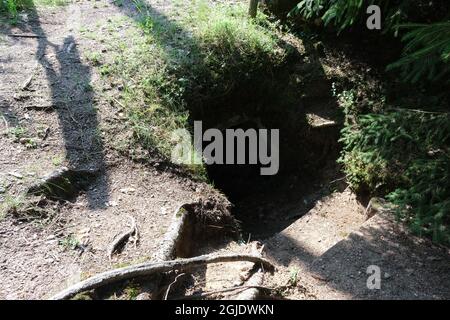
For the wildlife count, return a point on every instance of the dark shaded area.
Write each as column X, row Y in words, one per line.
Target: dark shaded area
column 304, row 150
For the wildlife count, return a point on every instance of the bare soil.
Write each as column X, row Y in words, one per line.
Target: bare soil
column 63, row 110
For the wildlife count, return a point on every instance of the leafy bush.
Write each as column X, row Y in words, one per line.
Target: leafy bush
column 427, row 45
column 11, row 8
column 427, row 52
column 405, row 155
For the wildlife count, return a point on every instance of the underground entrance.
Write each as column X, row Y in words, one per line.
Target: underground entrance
column 266, row 204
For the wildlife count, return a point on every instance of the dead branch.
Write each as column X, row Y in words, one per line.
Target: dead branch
column 150, row 268
column 25, row 36
column 122, row 238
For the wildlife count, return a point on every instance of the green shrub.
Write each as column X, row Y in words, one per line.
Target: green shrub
column 427, row 52
column 11, row 8
column 427, row 46
column 404, row 155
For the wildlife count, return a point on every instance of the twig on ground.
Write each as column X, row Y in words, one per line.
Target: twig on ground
column 25, row 36
column 33, row 72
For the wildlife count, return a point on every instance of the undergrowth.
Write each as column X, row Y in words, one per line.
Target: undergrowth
column 10, row 9
column 176, row 68
column 405, row 156
column 424, row 28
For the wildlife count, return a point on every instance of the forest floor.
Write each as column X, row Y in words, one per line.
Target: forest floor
column 60, row 120
column 57, row 112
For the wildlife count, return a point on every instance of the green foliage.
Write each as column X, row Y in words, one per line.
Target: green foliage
column 341, row 13
column 404, row 154
column 69, row 242
column 177, row 67
column 427, row 46
column 233, row 49
column 427, row 52
column 345, row 13
column 309, row 8
column 11, row 8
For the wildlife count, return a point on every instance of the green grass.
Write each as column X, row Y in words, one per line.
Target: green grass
column 12, row 204
column 171, row 69
column 69, row 243
column 10, row 9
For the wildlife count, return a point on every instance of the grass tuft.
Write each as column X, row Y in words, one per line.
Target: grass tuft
column 172, row 69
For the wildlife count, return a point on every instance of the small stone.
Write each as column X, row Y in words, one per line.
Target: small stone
column 127, row 190
column 144, row 296
column 387, row 275
column 16, row 175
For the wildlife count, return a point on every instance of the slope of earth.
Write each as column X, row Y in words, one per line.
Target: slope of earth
column 54, row 113
column 333, row 253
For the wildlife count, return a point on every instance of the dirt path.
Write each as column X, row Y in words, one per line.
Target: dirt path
column 329, row 252
column 57, row 118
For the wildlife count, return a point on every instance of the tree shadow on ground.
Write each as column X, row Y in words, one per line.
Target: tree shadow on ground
column 72, row 98
column 410, row 268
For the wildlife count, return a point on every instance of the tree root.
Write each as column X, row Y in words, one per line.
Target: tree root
column 149, row 268
column 122, row 238
column 232, row 289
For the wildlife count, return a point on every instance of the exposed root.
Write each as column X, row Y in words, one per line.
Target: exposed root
column 256, row 280
column 149, row 268
column 234, row 290
column 122, row 238
column 167, row 250
column 171, row 284
column 25, row 36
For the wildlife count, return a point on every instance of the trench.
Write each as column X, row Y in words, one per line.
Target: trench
column 266, row 204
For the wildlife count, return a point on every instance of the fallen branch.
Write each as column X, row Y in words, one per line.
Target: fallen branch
column 150, row 268
column 122, row 238
column 25, row 36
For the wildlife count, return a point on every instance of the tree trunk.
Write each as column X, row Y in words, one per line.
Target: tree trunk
column 253, row 8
